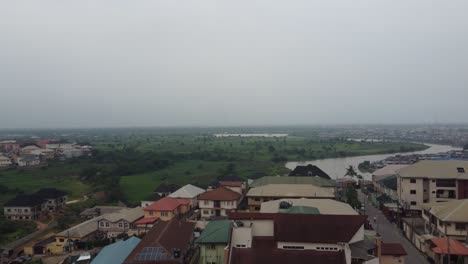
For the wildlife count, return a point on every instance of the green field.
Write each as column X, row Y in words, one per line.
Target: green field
column 130, row 166
column 61, row 176
column 196, row 172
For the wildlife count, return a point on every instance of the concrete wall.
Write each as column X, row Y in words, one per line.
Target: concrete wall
column 242, row 237
column 213, row 253
column 392, row 260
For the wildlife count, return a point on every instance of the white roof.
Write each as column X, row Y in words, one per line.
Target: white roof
column 188, row 192
column 436, row 169
column 325, row 206
column 388, row 170
column 291, row 190
column 451, row 211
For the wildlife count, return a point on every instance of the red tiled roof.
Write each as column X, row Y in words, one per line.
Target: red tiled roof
column 167, row 204
column 231, row 183
column 317, row 228
column 456, row 248
column 168, row 235
column 220, row 194
column 275, row 255
column 149, row 220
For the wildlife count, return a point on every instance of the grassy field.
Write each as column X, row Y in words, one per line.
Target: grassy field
column 135, row 165
column 61, row 176
column 197, row 172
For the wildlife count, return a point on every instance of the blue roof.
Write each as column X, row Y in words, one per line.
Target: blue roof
column 116, row 253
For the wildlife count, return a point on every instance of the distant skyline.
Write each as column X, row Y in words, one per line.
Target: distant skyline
column 114, row 63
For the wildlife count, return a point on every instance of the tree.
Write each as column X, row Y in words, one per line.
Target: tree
column 350, row 171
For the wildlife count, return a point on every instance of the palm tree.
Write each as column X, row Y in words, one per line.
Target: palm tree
column 350, row 171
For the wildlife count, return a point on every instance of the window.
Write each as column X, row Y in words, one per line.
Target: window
column 107, row 224
column 62, row 240
column 206, row 202
column 206, row 212
column 460, row 227
column 257, row 199
column 240, row 246
column 120, row 225
column 413, row 203
column 210, row 246
column 151, row 213
column 412, row 191
column 8, row 210
column 164, row 214
column 293, row 247
column 126, row 225
column 257, row 208
column 101, row 224
column 412, row 180
column 461, row 170
column 446, row 183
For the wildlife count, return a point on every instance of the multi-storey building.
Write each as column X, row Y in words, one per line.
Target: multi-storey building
column 432, row 181
column 218, row 202
column 447, row 219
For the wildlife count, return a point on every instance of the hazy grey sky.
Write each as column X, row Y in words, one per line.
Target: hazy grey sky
column 246, row 62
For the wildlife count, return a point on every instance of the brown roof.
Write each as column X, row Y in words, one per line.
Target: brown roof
column 166, row 235
column 220, row 194
column 231, row 183
column 275, row 255
column 395, row 249
column 251, row 216
column 317, row 228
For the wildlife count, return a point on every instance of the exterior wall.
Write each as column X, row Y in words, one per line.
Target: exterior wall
column 426, row 191
column 168, row 215
column 22, row 213
column 54, row 204
column 212, row 253
column 449, row 229
column 311, row 246
column 208, row 208
column 113, row 228
column 242, row 237
column 260, row 227
column 392, row 259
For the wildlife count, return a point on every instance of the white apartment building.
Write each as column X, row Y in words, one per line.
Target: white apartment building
column 431, row 181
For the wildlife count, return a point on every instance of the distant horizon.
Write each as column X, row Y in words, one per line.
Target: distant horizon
column 242, row 126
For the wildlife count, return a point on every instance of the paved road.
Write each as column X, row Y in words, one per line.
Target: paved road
column 391, row 234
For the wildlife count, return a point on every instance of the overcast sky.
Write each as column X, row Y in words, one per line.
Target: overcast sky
column 108, row 63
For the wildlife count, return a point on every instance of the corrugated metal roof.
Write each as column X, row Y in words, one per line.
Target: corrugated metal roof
column 116, row 253
column 216, row 232
column 436, row 169
column 291, row 190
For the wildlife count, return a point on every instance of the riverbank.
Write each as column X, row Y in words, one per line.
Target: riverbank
column 336, row 167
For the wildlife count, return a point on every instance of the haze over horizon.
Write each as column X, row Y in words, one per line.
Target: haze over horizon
column 219, row 63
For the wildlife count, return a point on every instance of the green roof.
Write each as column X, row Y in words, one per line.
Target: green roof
column 302, row 210
column 316, row 181
column 117, row 252
column 216, row 232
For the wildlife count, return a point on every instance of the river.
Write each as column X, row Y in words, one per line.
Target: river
column 336, row 167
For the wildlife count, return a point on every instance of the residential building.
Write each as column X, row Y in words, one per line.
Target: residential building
column 384, row 180
column 316, row 181
column 119, row 222
column 66, row 241
column 447, row 219
column 52, row 198
column 164, row 189
column 391, row 253
column 294, row 238
column 237, row 186
column 5, row 162
column 432, row 181
column 440, row 249
column 117, row 252
column 30, row 206
column 167, row 242
column 151, row 199
column 258, row 195
column 323, row 206
column 100, row 210
column 167, row 208
column 27, row 149
column 28, row 160
column 218, row 202
column 189, row 192
column 10, row 146
column 23, row 207
column 214, row 240
column 309, row 170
